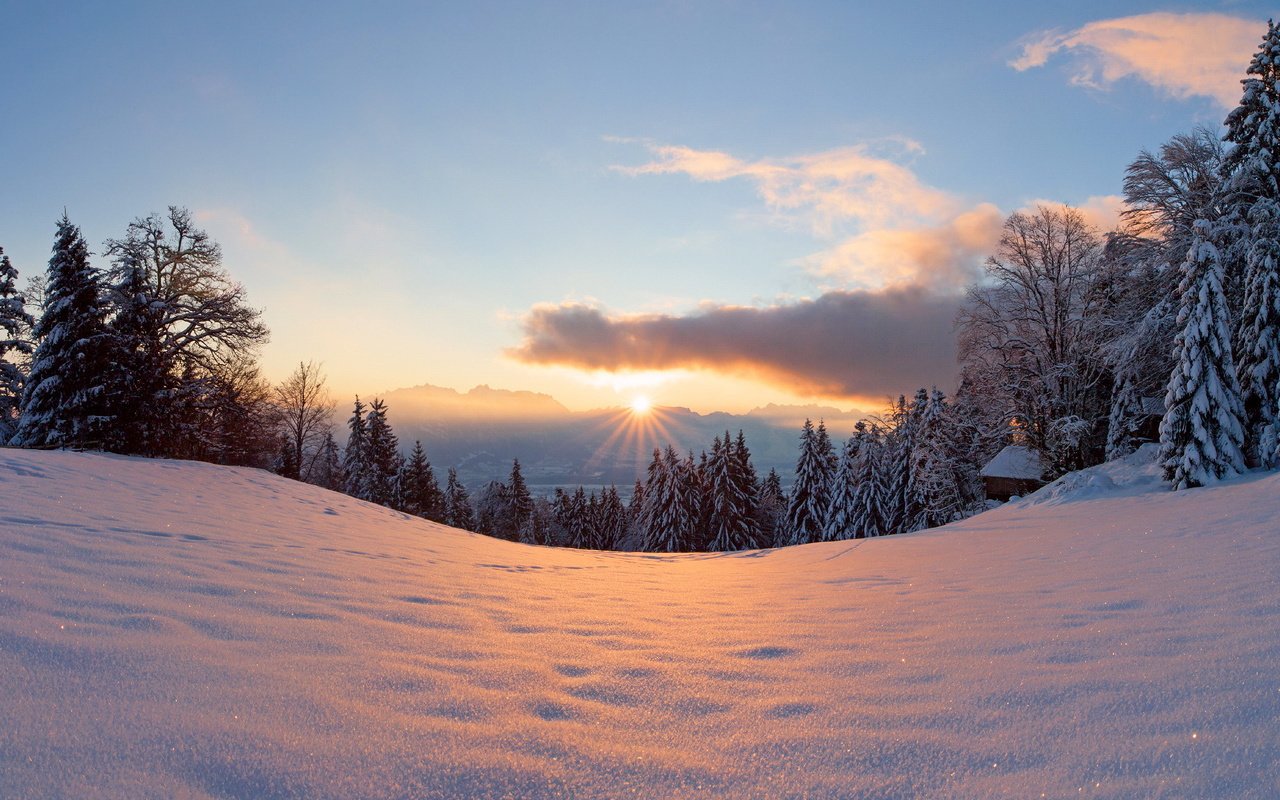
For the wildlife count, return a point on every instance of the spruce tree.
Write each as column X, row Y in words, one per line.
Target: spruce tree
column 420, row 493
column 807, row 506
column 382, row 457
column 354, row 458
column 1202, row 432
column 612, row 524
column 867, row 515
column 732, row 520
column 936, row 482
column 64, row 399
column 14, row 323
column 519, row 504
column 457, row 504
column 327, row 473
column 771, row 510
column 1249, row 226
column 838, row 523
column 1258, row 342
column 668, row 525
column 649, row 500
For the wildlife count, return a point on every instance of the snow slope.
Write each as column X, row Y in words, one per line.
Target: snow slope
column 173, row 629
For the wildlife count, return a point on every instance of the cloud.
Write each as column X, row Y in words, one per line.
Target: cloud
column 842, row 344
column 946, row 256
column 899, row 254
column 1101, row 212
column 1183, row 55
column 849, row 185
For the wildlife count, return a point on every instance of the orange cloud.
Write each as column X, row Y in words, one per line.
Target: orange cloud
column 846, row 185
column 946, row 256
column 1183, row 55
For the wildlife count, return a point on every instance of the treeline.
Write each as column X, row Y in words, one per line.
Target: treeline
column 1076, row 341
column 155, row 354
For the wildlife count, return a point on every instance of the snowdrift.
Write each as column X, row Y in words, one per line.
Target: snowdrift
column 172, row 629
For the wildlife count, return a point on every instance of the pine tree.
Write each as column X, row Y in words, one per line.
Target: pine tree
column 807, row 506
column 1202, row 433
column 144, row 385
column 420, row 493
column 729, row 519
column 935, row 477
column 612, row 524
column 897, row 498
column 838, row 523
column 867, row 504
column 1249, row 226
column 64, row 400
column 519, row 504
column 771, row 510
column 667, row 523
column 286, row 466
column 382, row 458
column 14, row 322
column 327, row 473
column 457, row 504
column 747, row 488
column 354, row 458
column 1258, row 342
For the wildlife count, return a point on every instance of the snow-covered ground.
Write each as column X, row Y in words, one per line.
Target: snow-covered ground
column 173, row 629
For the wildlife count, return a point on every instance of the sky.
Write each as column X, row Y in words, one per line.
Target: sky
column 716, row 205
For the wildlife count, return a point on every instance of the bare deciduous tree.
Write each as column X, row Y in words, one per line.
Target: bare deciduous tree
column 305, row 410
column 1032, row 332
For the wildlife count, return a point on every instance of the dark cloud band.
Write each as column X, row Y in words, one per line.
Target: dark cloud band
column 852, row 344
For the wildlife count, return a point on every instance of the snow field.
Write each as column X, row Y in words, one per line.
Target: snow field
column 174, row 629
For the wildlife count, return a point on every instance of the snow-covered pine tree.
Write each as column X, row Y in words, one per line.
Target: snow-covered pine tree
column 667, row 525
column 382, row 456
column 693, row 503
column 457, row 504
column 519, row 504
column 936, row 478
column 327, row 473
column 14, row 322
column 64, row 399
column 1258, row 341
column 612, row 523
column 841, row 503
column 771, row 510
column 648, row 500
column 420, row 493
column 355, row 466
column 144, row 385
column 1249, row 225
column 867, row 518
column 748, row 483
column 730, row 519
column 896, row 500
column 807, row 505
column 1202, row 432
column 285, row 465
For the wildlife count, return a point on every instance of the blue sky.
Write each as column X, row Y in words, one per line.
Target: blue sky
column 399, row 187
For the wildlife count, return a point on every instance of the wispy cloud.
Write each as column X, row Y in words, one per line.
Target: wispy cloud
column 857, row 185
column 1183, row 55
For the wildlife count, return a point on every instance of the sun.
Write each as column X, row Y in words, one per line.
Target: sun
column 640, row 404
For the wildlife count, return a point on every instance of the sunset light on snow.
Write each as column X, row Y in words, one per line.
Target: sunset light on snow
column 557, row 400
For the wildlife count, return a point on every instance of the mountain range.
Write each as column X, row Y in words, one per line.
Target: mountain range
column 482, row 430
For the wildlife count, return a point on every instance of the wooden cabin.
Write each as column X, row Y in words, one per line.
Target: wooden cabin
column 1015, row 471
